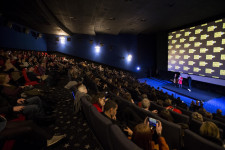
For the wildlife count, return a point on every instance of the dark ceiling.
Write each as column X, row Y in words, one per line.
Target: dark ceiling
column 110, row 16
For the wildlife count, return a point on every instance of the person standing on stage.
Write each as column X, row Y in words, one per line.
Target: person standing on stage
column 175, row 79
column 189, row 83
column 180, row 80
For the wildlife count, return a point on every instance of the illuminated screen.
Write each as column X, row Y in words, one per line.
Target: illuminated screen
column 198, row 50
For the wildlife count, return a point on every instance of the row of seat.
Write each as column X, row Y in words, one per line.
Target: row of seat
column 110, row 136
column 219, row 123
column 172, row 131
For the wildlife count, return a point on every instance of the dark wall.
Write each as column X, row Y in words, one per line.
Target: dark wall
column 113, row 52
column 162, row 52
column 147, row 54
column 15, row 37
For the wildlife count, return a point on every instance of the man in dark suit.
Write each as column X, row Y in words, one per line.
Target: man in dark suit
column 189, row 83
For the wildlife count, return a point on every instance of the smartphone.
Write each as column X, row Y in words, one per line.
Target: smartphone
column 152, row 121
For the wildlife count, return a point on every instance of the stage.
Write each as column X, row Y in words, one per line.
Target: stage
column 212, row 101
column 195, row 94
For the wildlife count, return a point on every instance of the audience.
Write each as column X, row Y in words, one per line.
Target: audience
column 210, row 131
column 145, row 103
column 143, row 137
column 97, row 78
column 99, row 101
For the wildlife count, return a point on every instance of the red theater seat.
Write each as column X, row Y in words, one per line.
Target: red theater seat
column 8, row 145
column 28, row 82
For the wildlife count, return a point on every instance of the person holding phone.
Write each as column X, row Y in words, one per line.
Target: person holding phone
column 143, row 136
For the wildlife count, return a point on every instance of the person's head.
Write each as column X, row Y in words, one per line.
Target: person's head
column 99, row 99
column 145, row 103
column 168, row 101
column 142, row 136
column 144, row 96
column 82, row 88
column 197, row 116
column 160, row 102
column 116, row 91
column 209, row 129
column 7, row 61
column 128, row 97
column 110, row 108
column 30, row 68
column 4, row 78
column 197, row 103
column 219, row 111
column 165, row 114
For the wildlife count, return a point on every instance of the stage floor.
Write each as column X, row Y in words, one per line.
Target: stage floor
column 195, row 94
column 212, row 101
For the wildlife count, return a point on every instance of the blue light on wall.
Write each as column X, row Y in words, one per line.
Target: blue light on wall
column 97, row 49
column 62, row 40
column 129, row 58
column 138, row 68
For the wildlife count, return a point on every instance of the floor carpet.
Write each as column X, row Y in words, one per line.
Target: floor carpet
column 79, row 135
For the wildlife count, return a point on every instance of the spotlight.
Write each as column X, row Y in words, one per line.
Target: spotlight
column 138, row 68
column 129, row 57
column 97, row 49
column 62, row 40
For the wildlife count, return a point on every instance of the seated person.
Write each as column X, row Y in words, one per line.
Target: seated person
column 174, row 109
column 110, row 111
column 145, row 103
column 99, row 101
column 143, row 137
column 197, row 116
column 33, row 106
column 210, row 131
column 11, row 130
column 143, row 96
column 165, row 114
column 8, row 65
column 82, row 92
column 7, row 89
column 205, row 113
column 218, row 113
column 128, row 97
column 31, row 75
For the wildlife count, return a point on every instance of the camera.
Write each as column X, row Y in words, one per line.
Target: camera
column 152, row 122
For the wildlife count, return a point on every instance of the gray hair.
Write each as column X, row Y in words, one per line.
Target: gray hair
column 145, row 103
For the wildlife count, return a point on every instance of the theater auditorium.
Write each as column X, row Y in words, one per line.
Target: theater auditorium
column 112, row 75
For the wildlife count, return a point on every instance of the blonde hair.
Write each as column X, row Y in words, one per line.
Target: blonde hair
column 197, row 116
column 2, row 77
column 210, row 129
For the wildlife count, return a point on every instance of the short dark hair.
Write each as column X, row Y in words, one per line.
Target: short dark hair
column 97, row 96
column 110, row 104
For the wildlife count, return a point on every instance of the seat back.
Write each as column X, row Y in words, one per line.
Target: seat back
column 24, row 72
column 171, row 131
column 28, row 82
column 180, row 118
column 100, row 126
column 219, row 119
column 195, row 141
column 195, row 125
column 86, row 106
column 156, row 106
column 185, row 112
column 120, row 141
column 218, row 123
